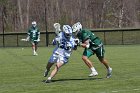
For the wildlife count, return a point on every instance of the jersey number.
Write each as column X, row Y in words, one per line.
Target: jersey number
column 34, row 33
column 65, row 45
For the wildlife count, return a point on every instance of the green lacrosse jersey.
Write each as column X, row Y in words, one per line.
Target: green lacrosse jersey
column 86, row 34
column 33, row 33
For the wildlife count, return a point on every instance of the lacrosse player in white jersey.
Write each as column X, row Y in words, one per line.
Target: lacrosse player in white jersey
column 65, row 43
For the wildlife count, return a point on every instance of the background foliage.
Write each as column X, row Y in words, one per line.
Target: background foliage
column 16, row 15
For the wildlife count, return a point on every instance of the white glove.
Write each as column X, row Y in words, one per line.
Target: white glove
column 77, row 41
column 38, row 39
column 54, row 42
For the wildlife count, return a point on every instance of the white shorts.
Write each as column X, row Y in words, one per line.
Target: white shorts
column 58, row 58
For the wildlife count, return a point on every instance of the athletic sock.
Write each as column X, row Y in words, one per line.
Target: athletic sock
column 109, row 68
column 93, row 69
column 49, row 78
column 33, row 47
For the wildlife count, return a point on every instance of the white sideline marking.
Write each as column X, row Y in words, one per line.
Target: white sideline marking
column 136, row 89
column 114, row 91
column 125, row 90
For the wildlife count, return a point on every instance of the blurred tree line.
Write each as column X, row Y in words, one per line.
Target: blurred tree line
column 17, row 15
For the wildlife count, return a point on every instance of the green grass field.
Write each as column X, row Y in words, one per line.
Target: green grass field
column 20, row 72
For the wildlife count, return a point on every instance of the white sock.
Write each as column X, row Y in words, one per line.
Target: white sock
column 49, row 78
column 109, row 68
column 93, row 69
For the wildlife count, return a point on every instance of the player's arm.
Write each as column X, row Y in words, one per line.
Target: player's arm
column 56, row 40
column 38, row 35
column 76, row 43
column 86, row 44
column 86, row 40
column 28, row 36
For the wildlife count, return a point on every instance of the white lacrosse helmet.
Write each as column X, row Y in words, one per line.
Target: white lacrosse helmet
column 67, row 31
column 77, row 27
column 34, row 23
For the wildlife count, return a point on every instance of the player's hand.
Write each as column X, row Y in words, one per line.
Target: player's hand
column 27, row 39
column 77, row 41
column 83, row 45
column 38, row 39
column 54, row 42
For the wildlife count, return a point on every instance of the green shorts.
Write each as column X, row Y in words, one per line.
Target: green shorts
column 34, row 42
column 99, row 52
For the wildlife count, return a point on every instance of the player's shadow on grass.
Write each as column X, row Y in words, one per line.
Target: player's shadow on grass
column 30, row 55
column 59, row 80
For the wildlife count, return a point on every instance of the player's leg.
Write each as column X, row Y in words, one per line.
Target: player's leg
column 36, row 47
column 109, row 69
column 33, row 47
column 53, row 59
column 86, row 54
column 36, row 43
column 54, row 71
column 60, row 62
column 100, row 54
column 49, row 65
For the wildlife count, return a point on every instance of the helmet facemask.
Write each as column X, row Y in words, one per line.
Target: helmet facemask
column 67, row 31
column 34, row 24
column 76, row 28
column 68, row 35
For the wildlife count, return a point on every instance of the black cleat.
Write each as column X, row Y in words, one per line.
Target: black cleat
column 46, row 73
column 48, row 81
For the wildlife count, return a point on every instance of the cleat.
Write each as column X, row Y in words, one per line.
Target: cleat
column 48, row 81
column 46, row 73
column 35, row 54
column 93, row 74
column 109, row 73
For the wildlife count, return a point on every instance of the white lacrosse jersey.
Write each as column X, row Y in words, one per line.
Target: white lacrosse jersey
column 63, row 48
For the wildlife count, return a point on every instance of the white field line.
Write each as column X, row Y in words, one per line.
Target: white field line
column 115, row 91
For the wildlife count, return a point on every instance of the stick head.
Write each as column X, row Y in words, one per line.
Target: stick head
column 57, row 27
column 23, row 39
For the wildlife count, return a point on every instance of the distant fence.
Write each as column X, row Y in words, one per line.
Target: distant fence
column 108, row 36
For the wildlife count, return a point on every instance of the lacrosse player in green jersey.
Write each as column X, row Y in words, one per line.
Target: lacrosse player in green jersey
column 93, row 45
column 33, row 37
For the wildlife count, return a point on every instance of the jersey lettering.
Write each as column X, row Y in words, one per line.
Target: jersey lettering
column 65, row 45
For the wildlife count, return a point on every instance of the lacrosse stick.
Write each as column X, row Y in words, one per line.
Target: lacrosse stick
column 23, row 39
column 57, row 28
